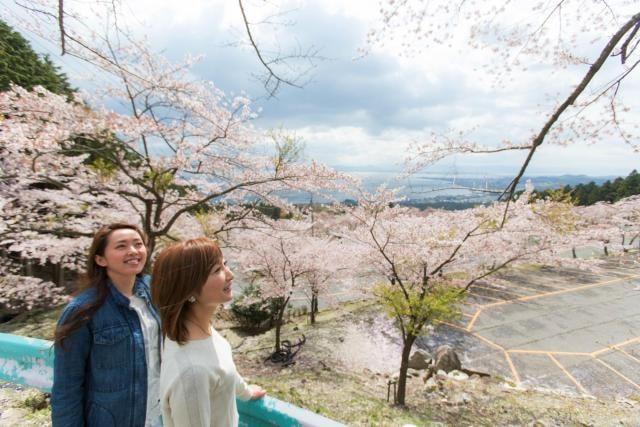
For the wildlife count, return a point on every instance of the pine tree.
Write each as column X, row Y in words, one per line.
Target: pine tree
column 19, row 64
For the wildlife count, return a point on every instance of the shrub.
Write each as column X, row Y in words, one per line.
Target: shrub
column 254, row 312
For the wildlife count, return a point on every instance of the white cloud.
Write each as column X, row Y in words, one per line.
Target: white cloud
column 365, row 112
column 355, row 147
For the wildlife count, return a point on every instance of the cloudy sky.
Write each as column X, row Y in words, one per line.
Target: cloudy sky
column 360, row 112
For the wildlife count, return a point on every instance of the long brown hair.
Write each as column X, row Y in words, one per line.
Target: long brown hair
column 96, row 277
column 179, row 272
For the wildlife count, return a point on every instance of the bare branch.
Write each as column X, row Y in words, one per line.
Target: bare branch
column 272, row 75
column 455, row 250
column 624, row 48
column 61, row 25
column 489, row 272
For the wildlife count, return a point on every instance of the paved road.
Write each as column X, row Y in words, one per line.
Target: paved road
column 566, row 330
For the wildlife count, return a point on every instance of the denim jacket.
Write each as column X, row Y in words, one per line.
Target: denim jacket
column 100, row 373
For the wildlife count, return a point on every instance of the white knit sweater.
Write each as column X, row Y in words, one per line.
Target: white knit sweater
column 199, row 383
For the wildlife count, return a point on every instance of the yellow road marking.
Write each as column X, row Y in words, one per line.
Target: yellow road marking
column 486, row 297
column 577, row 288
column 473, row 320
column 513, row 368
column 488, row 341
column 612, row 347
column 627, row 342
column 495, row 289
column 450, row 324
column 550, row 354
column 529, row 288
column 469, row 314
column 599, row 352
column 563, row 353
column 568, row 374
column 627, row 354
column 474, row 335
column 471, row 304
column 617, row 372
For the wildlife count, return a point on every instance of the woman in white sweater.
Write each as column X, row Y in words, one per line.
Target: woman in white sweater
column 199, row 382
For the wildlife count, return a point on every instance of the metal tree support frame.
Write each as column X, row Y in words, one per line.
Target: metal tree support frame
column 285, row 355
column 29, row 361
column 394, row 384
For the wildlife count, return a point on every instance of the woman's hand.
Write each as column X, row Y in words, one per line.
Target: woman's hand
column 257, row 392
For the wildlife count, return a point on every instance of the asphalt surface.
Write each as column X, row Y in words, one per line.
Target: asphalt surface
column 567, row 330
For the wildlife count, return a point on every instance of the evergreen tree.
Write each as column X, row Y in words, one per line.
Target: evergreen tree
column 633, row 182
column 20, row 65
column 588, row 194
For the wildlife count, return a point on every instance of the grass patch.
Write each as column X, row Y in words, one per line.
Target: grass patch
column 35, row 324
column 34, row 400
column 340, row 396
column 26, row 407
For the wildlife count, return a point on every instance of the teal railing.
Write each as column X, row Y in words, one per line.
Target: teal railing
column 29, row 361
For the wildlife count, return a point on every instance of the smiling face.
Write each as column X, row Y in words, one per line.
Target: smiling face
column 217, row 289
column 124, row 255
column 189, row 277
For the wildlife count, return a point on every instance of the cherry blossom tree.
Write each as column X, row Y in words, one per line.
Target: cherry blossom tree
column 428, row 259
column 337, row 268
column 332, row 268
column 276, row 259
column 17, row 289
column 284, row 259
column 611, row 226
column 178, row 157
column 627, row 218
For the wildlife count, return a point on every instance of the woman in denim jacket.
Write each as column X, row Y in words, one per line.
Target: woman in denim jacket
column 107, row 342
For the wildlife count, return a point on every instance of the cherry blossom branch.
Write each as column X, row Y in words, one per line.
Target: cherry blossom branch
column 490, row 272
column 381, row 249
column 593, row 70
column 456, row 249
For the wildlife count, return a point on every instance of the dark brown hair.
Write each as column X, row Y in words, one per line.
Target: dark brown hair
column 96, row 277
column 179, row 272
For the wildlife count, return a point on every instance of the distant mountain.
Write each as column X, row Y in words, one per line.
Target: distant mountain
column 540, row 182
column 448, row 191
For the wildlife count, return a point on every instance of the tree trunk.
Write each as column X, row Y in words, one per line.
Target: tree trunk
column 314, row 305
column 404, row 366
column 58, row 272
column 151, row 246
column 279, row 323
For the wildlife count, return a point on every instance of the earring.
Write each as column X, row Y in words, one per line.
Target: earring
column 191, row 299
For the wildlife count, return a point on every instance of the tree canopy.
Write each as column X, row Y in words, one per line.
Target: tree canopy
column 609, row 191
column 19, row 64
